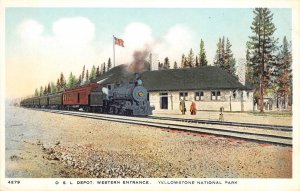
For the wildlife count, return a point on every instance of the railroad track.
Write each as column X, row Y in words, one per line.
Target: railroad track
column 260, row 134
column 238, row 124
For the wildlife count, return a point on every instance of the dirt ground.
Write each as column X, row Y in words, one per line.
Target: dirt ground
column 40, row 144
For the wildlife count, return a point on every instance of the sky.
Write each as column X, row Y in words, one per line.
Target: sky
column 40, row 43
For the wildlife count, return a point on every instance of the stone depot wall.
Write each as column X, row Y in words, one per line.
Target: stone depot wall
column 226, row 100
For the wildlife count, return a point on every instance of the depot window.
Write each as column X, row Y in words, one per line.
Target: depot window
column 199, row 96
column 183, row 95
column 215, row 95
column 234, row 94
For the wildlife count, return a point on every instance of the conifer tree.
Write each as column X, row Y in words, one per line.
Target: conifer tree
column 197, row 62
column 79, row 81
column 262, row 47
column 98, row 71
column 63, row 83
column 251, row 78
column 53, row 88
column 49, row 88
column 58, row 86
column 87, row 76
column 229, row 60
column 82, row 75
column 224, row 57
column 175, row 65
column 45, row 90
column 108, row 64
column 93, row 73
column 185, row 63
column 219, row 57
column 182, row 61
column 283, row 72
column 36, row 93
column 72, row 81
column 166, row 64
column 159, row 66
column 41, row 91
column 202, row 55
column 190, row 59
column 104, row 68
column 223, row 49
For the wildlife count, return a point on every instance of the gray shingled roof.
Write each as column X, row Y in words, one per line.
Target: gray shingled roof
column 117, row 74
column 202, row 78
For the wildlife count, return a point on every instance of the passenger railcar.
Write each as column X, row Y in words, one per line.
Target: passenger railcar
column 36, row 102
column 55, row 101
column 78, row 97
column 44, row 101
column 27, row 102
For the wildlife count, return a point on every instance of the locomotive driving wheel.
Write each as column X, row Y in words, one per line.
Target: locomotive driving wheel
column 111, row 110
column 129, row 112
column 122, row 111
column 116, row 110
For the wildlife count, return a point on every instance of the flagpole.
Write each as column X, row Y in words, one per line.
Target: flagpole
column 114, row 49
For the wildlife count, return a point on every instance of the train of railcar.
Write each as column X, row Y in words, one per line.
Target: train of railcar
column 126, row 99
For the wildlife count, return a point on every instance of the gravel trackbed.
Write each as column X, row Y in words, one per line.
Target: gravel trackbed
column 47, row 145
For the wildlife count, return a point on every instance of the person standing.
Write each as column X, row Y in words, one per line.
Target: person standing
column 193, row 108
column 182, row 106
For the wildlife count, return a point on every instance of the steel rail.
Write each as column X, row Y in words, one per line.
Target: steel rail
column 239, row 124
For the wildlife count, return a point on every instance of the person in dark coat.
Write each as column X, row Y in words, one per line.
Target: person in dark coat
column 182, row 106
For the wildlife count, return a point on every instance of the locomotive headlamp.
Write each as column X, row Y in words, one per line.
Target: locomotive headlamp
column 139, row 82
column 140, row 94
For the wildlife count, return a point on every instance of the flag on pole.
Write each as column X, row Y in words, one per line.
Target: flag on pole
column 119, row 42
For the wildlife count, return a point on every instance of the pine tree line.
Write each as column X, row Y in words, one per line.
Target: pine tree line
column 165, row 65
column 188, row 61
column 223, row 59
column 84, row 78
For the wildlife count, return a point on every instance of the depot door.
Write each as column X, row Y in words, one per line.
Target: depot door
column 163, row 100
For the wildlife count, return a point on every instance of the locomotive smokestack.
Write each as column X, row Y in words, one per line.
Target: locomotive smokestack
column 137, row 79
column 137, row 76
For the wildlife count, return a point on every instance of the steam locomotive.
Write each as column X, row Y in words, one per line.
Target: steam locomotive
column 124, row 99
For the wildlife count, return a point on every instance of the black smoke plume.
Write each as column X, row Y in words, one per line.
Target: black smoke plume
column 138, row 63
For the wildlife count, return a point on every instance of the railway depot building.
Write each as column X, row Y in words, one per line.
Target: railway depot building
column 210, row 87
